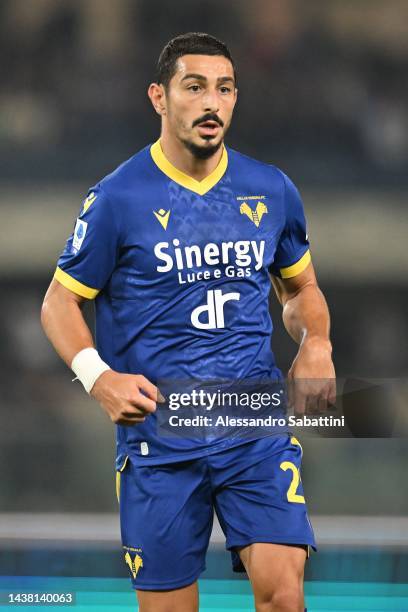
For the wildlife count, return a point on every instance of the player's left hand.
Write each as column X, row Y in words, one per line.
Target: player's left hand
column 312, row 378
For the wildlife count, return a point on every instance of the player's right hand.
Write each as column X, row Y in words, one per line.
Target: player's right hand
column 126, row 398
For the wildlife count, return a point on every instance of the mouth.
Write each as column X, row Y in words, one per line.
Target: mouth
column 208, row 128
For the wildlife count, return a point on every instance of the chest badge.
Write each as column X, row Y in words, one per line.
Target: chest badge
column 254, row 215
column 162, row 216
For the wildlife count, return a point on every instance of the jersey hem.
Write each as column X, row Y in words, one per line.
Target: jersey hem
column 187, row 456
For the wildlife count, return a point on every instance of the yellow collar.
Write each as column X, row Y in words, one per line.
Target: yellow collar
column 200, row 187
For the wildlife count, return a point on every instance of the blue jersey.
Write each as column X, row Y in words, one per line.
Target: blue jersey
column 179, row 270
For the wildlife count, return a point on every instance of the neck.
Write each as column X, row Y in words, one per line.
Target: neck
column 178, row 155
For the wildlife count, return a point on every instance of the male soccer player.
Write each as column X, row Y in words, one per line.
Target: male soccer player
column 177, row 247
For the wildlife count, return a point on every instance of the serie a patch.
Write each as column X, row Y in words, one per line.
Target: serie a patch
column 79, row 235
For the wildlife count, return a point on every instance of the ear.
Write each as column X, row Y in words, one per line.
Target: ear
column 157, row 97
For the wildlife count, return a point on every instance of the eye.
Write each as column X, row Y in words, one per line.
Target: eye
column 194, row 88
column 224, row 89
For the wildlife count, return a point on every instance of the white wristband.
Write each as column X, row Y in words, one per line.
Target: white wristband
column 88, row 366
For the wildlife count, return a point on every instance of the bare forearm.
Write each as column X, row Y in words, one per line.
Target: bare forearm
column 306, row 318
column 64, row 325
column 306, row 315
column 128, row 399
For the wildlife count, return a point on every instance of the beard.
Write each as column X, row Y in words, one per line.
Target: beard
column 202, row 151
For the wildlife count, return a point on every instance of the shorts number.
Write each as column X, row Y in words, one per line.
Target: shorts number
column 291, row 494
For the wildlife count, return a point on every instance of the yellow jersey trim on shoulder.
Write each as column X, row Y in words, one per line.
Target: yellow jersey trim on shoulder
column 73, row 285
column 200, row 187
column 297, row 267
column 88, row 201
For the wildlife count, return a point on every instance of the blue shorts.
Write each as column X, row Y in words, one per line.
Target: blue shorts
column 166, row 511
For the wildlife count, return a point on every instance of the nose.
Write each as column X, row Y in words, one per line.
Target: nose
column 210, row 101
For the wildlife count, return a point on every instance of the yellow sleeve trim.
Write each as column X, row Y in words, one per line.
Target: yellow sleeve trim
column 297, row 267
column 73, row 285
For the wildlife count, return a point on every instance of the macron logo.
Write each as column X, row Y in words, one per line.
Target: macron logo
column 162, row 216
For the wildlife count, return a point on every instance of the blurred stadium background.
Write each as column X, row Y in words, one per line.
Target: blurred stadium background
column 323, row 95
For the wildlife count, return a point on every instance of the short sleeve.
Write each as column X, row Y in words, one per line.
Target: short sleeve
column 90, row 253
column 292, row 253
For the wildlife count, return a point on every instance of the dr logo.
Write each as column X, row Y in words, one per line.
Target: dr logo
column 214, row 309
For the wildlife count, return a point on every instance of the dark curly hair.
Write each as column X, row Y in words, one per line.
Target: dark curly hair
column 192, row 43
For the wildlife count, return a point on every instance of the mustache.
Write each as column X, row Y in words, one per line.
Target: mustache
column 209, row 117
